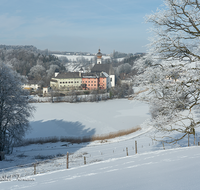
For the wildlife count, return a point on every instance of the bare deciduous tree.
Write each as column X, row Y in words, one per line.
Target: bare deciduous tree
column 177, row 30
column 173, row 74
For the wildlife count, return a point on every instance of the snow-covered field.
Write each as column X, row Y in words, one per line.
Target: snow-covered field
column 88, row 57
column 86, row 119
column 75, row 64
column 107, row 164
column 76, row 57
column 164, row 169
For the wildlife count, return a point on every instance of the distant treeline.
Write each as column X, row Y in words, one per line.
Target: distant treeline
column 35, row 64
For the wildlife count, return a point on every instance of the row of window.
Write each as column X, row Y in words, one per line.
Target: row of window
column 89, row 81
column 88, row 85
column 69, row 82
column 78, row 82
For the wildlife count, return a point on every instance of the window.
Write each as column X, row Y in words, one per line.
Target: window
column 91, row 84
column 60, row 82
column 72, row 82
column 94, row 84
column 94, row 81
column 91, row 81
column 88, row 84
column 77, row 81
column 88, row 81
column 66, row 81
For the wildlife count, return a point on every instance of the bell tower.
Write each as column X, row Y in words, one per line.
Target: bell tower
column 99, row 56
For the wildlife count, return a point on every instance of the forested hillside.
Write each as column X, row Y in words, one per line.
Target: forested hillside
column 37, row 65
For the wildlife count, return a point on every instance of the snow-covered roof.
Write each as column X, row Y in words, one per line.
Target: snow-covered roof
column 68, row 75
column 103, row 67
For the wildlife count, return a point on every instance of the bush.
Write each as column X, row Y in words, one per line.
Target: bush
column 87, row 92
column 79, row 140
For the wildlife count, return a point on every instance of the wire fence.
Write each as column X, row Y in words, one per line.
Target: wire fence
column 73, row 159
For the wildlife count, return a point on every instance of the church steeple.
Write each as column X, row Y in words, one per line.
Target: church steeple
column 99, row 56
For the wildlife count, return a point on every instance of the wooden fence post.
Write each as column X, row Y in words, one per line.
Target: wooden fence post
column 34, row 169
column 135, row 147
column 84, row 160
column 163, row 145
column 127, row 151
column 67, row 160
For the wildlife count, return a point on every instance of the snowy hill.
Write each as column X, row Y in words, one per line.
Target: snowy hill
column 79, row 61
column 169, row 169
column 107, row 164
column 72, row 58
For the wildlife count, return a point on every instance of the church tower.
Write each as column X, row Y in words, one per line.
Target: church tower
column 99, row 56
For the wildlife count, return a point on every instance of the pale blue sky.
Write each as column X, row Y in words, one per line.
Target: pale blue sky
column 77, row 25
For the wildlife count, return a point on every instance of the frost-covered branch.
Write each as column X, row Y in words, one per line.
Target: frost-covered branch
column 177, row 30
column 14, row 108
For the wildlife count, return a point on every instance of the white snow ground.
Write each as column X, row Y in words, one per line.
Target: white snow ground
column 76, row 57
column 86, row 119
column 107, row 167
column 166, row 169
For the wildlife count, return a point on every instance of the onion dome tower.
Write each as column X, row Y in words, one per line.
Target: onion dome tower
column 99, row 56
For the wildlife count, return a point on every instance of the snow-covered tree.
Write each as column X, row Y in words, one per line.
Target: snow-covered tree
column 50, row 72
column 171, row 70
column 14, row 108
column 37, row 72
column 123, row 68
column 177, row 30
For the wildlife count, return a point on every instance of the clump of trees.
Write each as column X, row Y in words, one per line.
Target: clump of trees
column 121, row 91
column 117, row 54
column 14, row 108
column 38, row 66
column 123, row 68
column 171, row 70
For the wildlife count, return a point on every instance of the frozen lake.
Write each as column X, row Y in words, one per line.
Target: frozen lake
column 86, row 119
